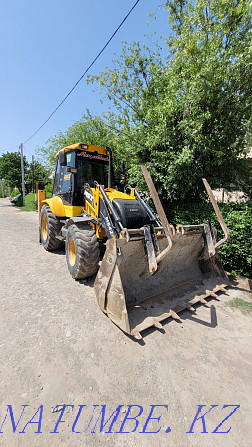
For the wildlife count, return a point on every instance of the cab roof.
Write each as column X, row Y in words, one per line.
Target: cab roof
column 84, row 147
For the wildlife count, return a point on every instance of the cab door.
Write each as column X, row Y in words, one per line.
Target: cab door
column 64, row 180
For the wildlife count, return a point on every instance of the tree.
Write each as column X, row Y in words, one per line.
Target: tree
column 188, row 116
column 10, row 169
column 41, row 174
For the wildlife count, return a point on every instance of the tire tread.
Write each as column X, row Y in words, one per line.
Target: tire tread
column 87, row 251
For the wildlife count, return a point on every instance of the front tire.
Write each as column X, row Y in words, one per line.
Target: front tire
column 82, row 251
column 50, row 227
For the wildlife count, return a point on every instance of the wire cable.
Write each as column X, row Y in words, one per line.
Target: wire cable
column 85, row 72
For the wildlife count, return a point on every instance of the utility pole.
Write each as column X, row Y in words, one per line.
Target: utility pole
column 22, row 171
column 33, row 173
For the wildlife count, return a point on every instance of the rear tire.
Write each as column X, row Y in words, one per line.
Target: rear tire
column 50, row 227
column 82, row 251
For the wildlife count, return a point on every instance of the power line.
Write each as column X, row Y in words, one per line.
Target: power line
column 85, row 72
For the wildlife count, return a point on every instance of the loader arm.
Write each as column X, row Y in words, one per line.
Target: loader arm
column 161, row 214
column 168, row 228
column 218, row 214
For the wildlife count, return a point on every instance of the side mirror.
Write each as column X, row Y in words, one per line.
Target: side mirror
column 62, row 158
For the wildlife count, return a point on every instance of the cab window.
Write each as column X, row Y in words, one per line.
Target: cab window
column 63, row 179
column 91, row 171
column 57, row 179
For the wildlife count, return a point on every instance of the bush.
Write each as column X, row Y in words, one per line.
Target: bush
column 48, row 190
column 20, row 201
column 15, row 192
column 236, row 252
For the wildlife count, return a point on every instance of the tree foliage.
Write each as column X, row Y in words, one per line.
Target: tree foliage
column 188, row 116
column 41, row 175
column 10, row 171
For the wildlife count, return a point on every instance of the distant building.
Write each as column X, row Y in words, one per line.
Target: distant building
column 232, row 195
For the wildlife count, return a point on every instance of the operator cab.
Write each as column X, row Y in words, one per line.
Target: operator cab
column 80, row 166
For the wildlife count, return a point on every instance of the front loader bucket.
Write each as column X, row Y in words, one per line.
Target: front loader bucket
column 151, row 274
column 134, row 299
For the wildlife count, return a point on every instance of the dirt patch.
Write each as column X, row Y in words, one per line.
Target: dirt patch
column 58, row 348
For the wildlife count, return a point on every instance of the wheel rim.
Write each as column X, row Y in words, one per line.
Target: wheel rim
column 44, row 227
column 71, row 251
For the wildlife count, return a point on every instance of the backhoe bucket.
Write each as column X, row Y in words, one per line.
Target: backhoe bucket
column 150, row 274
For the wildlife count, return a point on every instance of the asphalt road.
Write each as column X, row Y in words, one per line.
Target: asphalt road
column 58, row 348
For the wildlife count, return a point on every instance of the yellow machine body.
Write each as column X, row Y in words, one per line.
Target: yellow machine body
column 63, row 210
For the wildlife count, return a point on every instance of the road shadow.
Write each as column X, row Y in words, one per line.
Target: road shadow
column 241, row 283
column 187, row 315
column 60, row 251
column 89, row 282
column 183, row 316
column 10, row 205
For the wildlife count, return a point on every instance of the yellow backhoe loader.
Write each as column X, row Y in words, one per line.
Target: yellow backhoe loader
column 150, row 271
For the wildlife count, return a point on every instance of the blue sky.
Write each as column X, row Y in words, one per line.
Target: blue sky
column 45, row 46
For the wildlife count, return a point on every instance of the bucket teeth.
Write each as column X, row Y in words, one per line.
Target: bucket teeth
column 202, row 300
column 174, row 315
column 211, row 293
column 157, row 324
column 137, row 336
column 221, row 288
column 187, row 306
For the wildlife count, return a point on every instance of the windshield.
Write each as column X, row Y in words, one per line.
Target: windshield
column 91, row 170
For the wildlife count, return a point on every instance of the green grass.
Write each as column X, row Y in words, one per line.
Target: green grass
column 244, row 306
column 30, row 204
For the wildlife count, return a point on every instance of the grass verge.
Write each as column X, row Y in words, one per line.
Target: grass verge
column 244, row 306
column 30, row 204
